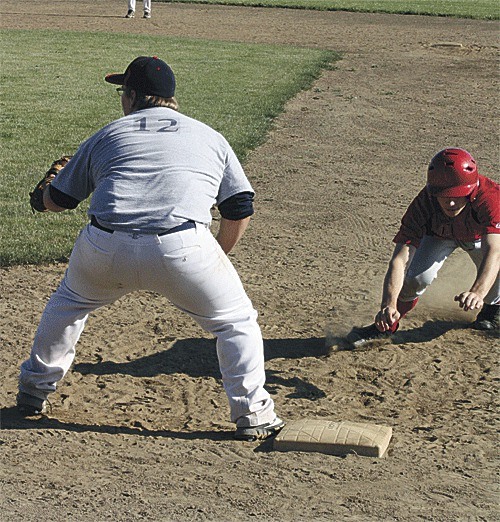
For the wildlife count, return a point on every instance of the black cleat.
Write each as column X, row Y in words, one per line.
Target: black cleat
column 29, row 405
column 488, row 318
column 359, row 336
column 261, row 432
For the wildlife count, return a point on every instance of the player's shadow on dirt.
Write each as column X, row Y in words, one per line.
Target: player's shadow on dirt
column 198, row 358
column 73, row 15
column 428, row 331
column 10, row 419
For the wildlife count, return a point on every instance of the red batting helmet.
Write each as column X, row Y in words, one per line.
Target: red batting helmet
column 452, row 173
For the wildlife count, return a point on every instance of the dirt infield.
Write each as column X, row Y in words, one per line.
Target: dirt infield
column 139, row 427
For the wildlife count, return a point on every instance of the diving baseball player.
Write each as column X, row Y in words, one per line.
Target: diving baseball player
column 458, row 208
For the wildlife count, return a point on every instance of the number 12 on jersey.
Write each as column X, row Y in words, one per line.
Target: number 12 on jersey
column 161, row 125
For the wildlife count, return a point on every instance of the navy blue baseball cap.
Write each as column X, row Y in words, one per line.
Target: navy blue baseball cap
column 148, row 75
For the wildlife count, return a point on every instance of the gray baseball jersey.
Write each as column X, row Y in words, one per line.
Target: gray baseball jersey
column 152, row 170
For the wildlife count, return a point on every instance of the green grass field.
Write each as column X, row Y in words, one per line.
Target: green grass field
column 480, row 9
column 58, row 98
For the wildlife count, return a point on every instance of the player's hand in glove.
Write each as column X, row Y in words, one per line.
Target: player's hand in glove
column 36, row 197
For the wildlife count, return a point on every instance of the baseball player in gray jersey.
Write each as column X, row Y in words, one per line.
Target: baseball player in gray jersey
column 154, row 176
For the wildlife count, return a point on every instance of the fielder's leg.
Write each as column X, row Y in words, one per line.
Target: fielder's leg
column 53, row 348
column 86, row 286
column 131, row 9
column 198, row 278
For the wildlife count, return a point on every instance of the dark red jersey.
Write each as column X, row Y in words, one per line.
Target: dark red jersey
column 480, row 216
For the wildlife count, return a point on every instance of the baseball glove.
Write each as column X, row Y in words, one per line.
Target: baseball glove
column 36, row 197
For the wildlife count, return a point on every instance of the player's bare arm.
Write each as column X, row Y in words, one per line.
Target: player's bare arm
column 230, row 232
column 393, row 282
column 486, row 275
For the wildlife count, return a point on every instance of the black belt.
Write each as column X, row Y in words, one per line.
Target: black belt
column 183, row 226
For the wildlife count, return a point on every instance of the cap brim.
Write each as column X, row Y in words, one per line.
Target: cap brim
column 116, row 79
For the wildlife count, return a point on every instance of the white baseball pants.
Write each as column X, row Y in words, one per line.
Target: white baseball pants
column 147, row 5
column 187, row 267
column 429, row 258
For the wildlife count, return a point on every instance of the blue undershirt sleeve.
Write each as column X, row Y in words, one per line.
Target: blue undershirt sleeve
column 238, row 206
column 61, row 199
